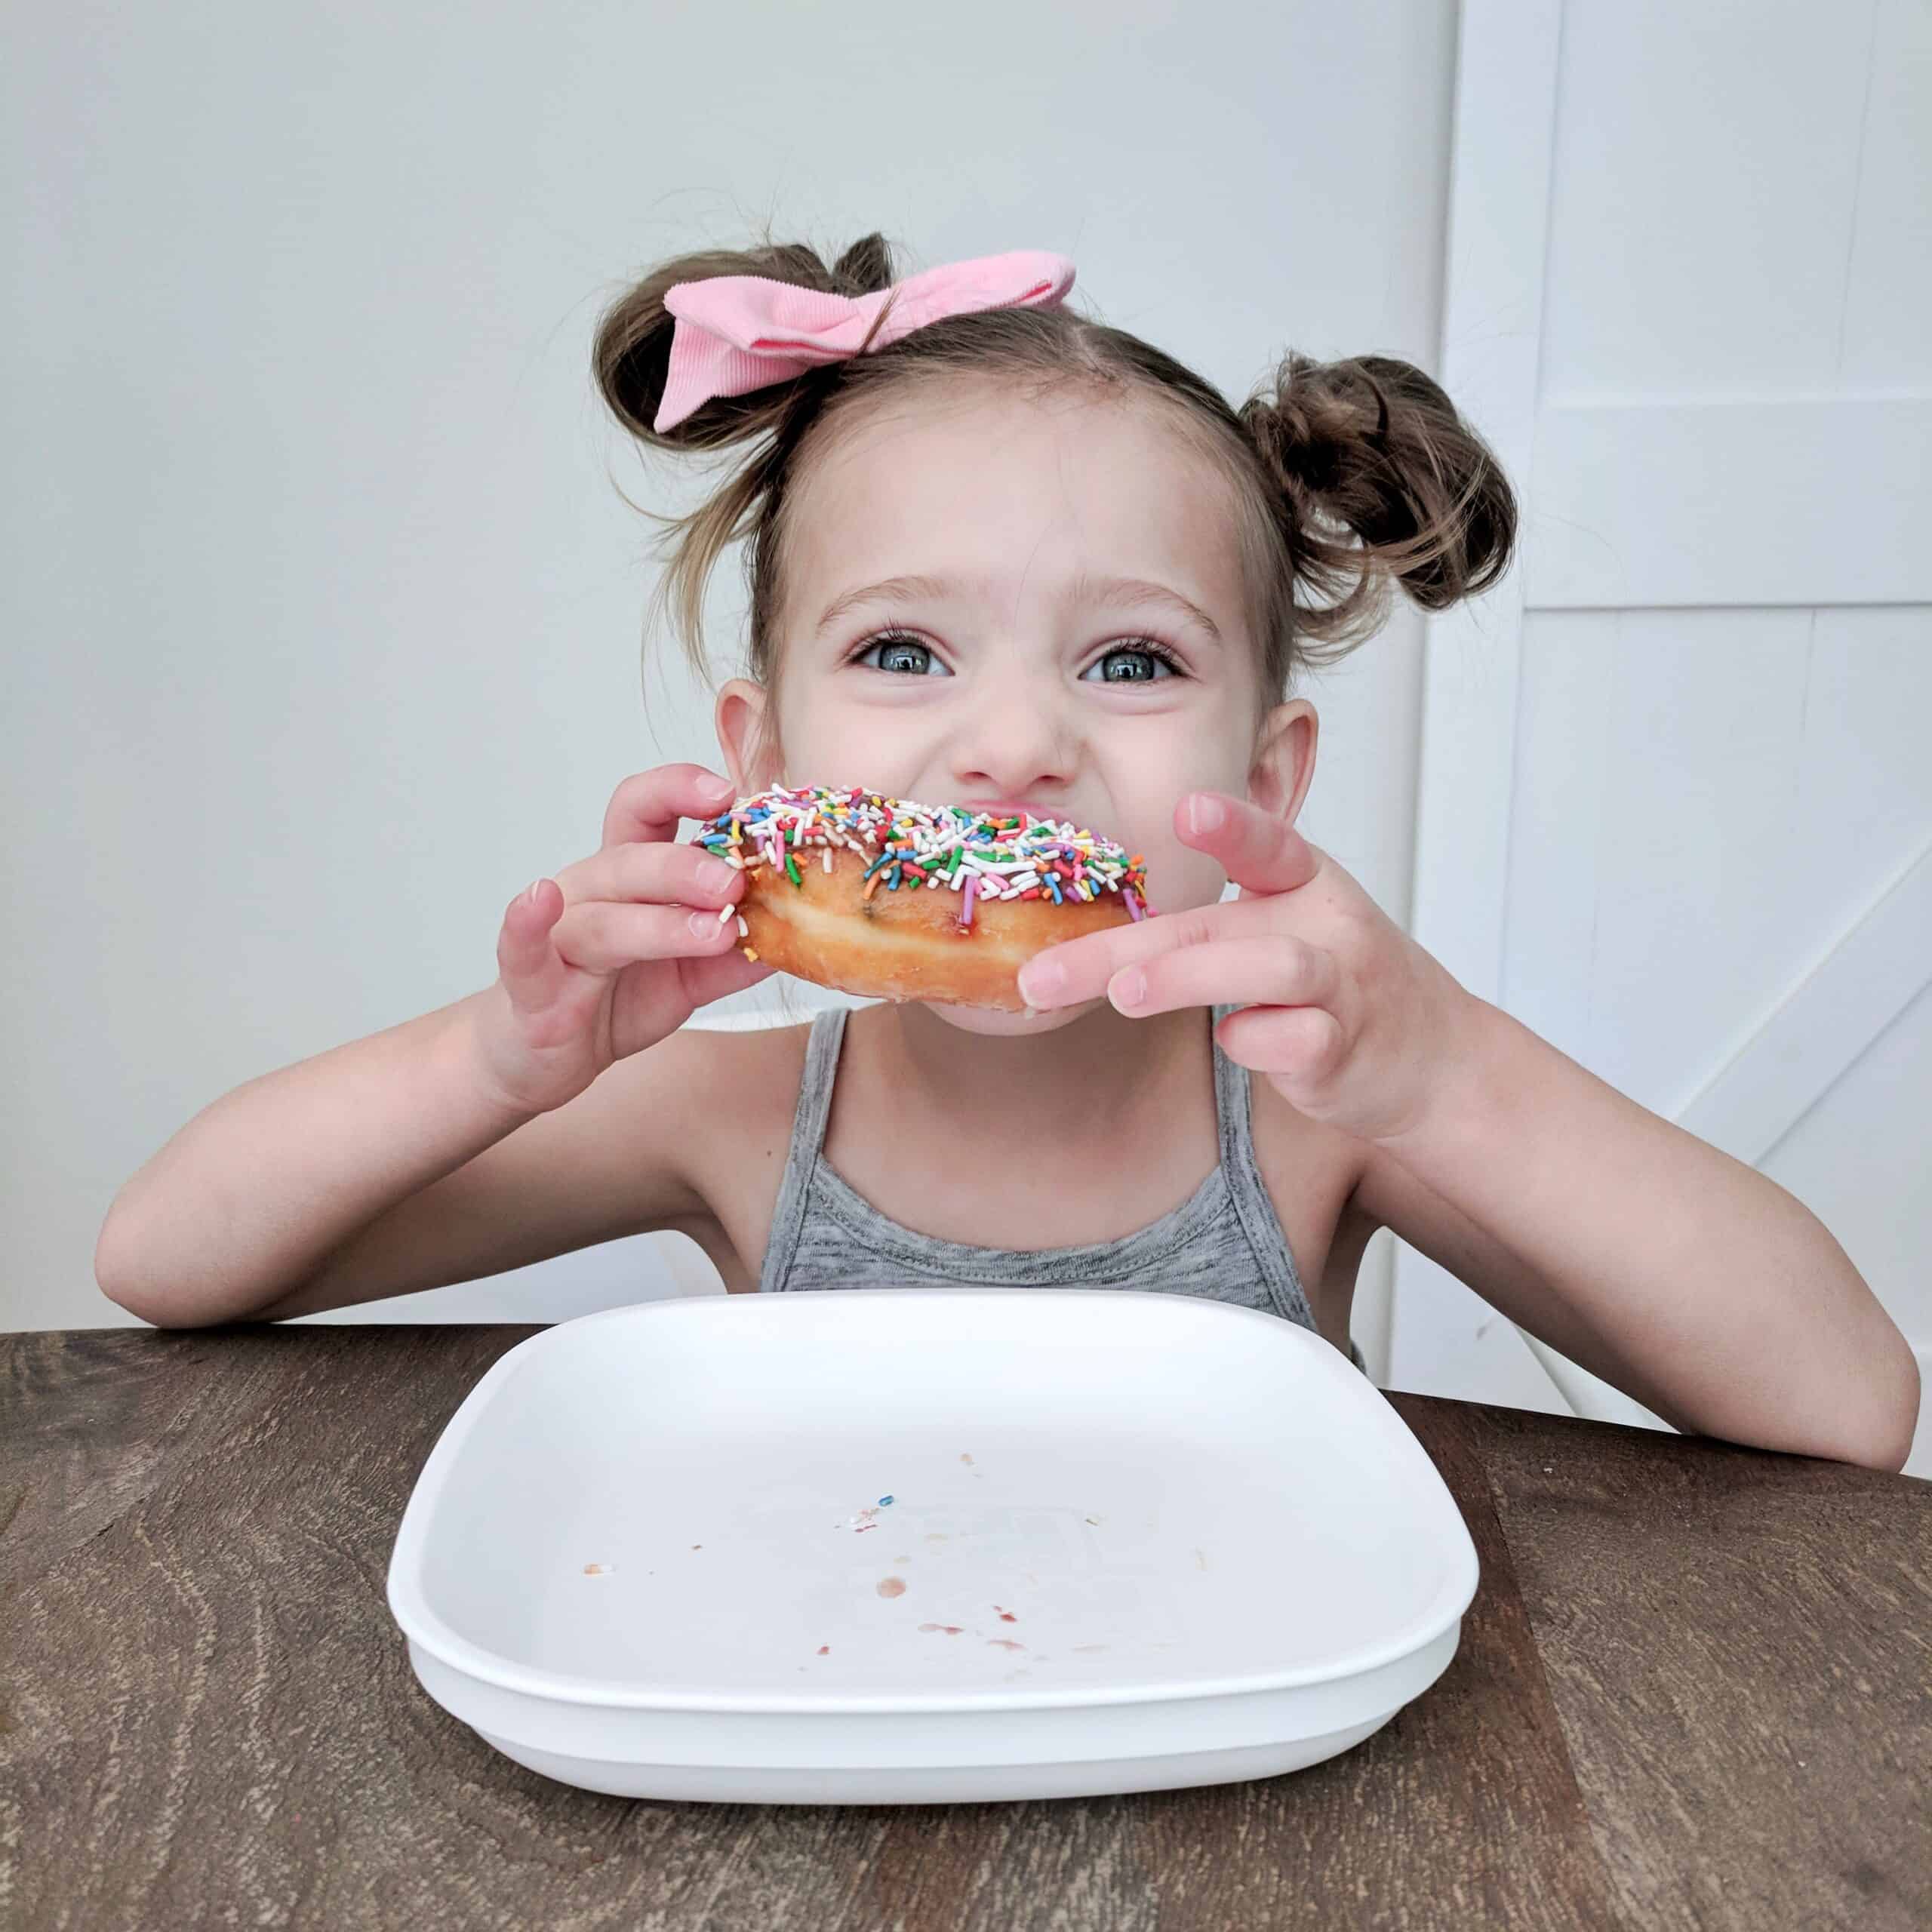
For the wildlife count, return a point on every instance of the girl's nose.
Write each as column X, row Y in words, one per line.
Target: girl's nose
column 1014, row 743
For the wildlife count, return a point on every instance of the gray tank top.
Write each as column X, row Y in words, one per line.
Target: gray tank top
column 1224, row 1242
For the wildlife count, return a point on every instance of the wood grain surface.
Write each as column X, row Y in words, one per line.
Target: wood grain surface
column 1694, row 1689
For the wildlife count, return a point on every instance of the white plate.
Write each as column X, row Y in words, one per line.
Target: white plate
column 1136, row 1541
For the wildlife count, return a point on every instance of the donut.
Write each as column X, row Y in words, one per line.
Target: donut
column 889, row 899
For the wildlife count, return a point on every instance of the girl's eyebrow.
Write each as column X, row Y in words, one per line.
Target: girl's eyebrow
column 1132, row 591
column 887, row 590
column 1126, row 591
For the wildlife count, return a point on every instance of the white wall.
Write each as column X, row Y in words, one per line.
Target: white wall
column 321, row 608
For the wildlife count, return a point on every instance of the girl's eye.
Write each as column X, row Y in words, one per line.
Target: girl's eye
column 906, row 656
column 1132, row 664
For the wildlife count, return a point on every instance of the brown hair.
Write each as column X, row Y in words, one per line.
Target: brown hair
column 1351, row 476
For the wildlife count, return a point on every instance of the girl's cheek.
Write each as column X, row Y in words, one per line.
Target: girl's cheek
column 830, row 742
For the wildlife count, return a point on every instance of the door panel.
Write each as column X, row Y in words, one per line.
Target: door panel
column 1674, row 808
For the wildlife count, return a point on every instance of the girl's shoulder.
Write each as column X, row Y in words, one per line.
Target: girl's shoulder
column 735, row 1093
column 739, row 1082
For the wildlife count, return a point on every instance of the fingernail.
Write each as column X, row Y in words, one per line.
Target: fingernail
column 719, row 789
column 1129, row 988
column 529, row 895
column 714, row 875
column 706, row 925
column 1204, row 814
column 1038, row 984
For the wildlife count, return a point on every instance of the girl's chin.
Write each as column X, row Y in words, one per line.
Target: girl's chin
column 994, row 1023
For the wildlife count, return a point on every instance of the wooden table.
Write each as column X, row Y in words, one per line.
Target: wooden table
column 1694, row 1689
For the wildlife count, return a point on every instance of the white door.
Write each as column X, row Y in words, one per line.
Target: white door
column 1675, row 807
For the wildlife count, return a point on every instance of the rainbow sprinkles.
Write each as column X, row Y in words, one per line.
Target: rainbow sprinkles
column 981, row 856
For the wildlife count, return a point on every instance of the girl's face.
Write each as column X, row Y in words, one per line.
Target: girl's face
column 1007, row 602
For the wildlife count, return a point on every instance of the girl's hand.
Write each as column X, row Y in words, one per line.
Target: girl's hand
column 618, row 950
column 1343, row 1011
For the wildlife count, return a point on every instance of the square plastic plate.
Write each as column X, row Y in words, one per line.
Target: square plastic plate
column 1134, row 1541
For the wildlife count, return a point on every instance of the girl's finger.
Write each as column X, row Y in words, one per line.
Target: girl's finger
column 1259, row 852
column 605, row 936
column 1079, row 969
column 1301, row 1042
column 526, row 960
column 674, row 873
column 1278, row 970
column 648, row 805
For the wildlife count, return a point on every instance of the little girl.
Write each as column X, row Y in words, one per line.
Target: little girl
column 1001, row 556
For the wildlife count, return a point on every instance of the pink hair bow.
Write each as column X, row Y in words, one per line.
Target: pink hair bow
column 735, row 333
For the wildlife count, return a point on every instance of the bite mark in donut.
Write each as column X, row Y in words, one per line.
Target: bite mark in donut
column 889, row 899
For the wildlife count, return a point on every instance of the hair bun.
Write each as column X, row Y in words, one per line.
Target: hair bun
column 1305, row 447
column 1382, row 483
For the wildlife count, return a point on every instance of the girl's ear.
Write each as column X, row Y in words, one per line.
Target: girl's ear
column 742, row 716
column 1283, row 764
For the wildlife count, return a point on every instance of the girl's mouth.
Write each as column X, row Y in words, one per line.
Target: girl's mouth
column 1012, row 807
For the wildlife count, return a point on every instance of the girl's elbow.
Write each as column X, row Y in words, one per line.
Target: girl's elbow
column 1881, row 1436
column 1894, row 1446
column 159, row 1307
column 1888, row 1457
column 157, row 1311
column 1873, row 1429
column 124, row 1290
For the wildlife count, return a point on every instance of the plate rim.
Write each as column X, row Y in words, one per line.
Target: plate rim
column 424, row 1627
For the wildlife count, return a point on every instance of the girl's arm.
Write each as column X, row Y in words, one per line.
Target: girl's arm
column 387, row 1165
column 1675, row 1272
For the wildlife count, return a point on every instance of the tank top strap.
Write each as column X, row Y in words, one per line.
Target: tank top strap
column 808, row 1121
column 1233, row 1108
